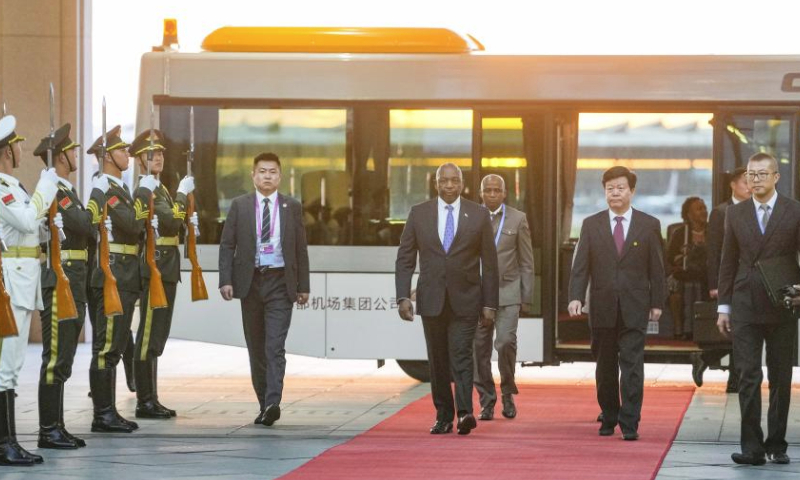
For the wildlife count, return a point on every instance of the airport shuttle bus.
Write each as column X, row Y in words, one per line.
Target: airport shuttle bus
column 361, row 118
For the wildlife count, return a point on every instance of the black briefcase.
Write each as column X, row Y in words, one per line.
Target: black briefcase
column 705, row 329
column 778, row 273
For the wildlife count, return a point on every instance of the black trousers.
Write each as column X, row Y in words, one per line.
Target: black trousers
column 154, row 325
column 449, row 339
column 619, row 353
column 59, row 340
column 266, row 316
column 111, row 333
column 748, row 343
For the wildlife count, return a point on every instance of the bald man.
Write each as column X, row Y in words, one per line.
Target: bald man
column 512, row 238
column 457, row 289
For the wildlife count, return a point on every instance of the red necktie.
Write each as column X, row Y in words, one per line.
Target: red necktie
column 619, row 235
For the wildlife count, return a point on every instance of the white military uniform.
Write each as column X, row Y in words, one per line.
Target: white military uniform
column 20, row 219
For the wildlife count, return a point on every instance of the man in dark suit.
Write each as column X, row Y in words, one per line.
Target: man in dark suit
column 620, row 253
column 765, row 226
column 716, row 231
column 458, row 287
column 263, row 260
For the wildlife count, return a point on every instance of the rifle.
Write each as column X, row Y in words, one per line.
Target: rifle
column 8, row 326
column 158, row 297
column 112, row 305
column 199, row 291
column 65, row 303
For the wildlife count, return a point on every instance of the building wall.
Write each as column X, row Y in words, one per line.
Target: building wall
column 43, row 41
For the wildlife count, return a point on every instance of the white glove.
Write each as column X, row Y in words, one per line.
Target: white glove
column 100, row 182
column 196, row 223
column 50, row 175
column 154, row 222
column 108, row 229
column 149, row 182
column 58, row 221
column 186, row 186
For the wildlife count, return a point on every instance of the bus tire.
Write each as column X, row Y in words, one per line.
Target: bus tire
column 416, row 369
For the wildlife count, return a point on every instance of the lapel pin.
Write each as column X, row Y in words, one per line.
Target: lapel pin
column 284, row 205
column 466, row 214
column 635, row 244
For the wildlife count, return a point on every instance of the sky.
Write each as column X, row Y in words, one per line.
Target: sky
column 121, row 33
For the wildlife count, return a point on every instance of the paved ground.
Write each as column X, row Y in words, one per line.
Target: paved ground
column 326, row 402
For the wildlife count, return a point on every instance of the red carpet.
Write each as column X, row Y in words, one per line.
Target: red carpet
column 553, row 437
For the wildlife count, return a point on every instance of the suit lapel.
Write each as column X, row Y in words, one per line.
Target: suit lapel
column 775, row 217
column 283, row 217
column 250, row 212
column 463, row 218
column 434, row 213
column 634, row 230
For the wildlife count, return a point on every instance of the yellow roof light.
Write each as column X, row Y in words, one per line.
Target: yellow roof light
column 338, row 40
column 169, row 39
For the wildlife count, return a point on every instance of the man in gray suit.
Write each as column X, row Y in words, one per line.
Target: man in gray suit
column 263, row 260
column 457, row 288
column 512, row 237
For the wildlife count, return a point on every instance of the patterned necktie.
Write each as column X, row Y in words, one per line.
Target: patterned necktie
column 619, row 235
column 495, row 219
column 449, row 229
column 764, row 218
column 265, row 222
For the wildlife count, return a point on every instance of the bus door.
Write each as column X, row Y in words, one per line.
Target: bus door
column 523, row 148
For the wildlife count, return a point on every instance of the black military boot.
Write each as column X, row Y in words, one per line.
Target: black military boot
column 133, row 425
column 127, row 363
column 51, row 434
column 105, row 415
column 78, row 441
column 145, row 404
column 12, row 427
column 9, row 454
column 172, row 412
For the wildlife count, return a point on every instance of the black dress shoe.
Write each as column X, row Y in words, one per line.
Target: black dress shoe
column 601, row 418
column 748, row 459
column 466, row 423
column 780, row 458
column 509, row 409
column 698, row 367
column 486, row 414
column 733, row 384
column 259, row 418
column 630, row 436
column 271, row 414
column 440, row 427
column 606, row 430
column 13, row 457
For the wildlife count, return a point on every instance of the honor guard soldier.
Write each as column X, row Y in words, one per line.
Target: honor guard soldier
column 111, row 332
column 21, row 218
column 154, row 324
column 60, row 338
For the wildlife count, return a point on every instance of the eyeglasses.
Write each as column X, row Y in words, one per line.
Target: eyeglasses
column 759, row 175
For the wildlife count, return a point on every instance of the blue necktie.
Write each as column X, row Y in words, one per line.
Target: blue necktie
column 449, row 229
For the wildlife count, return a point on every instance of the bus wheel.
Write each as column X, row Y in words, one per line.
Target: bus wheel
column 416, row 369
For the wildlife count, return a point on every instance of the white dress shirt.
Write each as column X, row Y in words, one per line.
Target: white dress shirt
column 626, row 221
column 759, row 216
column 443, row 217
column 275, row 219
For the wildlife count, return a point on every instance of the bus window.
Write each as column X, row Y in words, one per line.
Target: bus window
column 745, row 135
column 311, row 146
column 420, row 141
